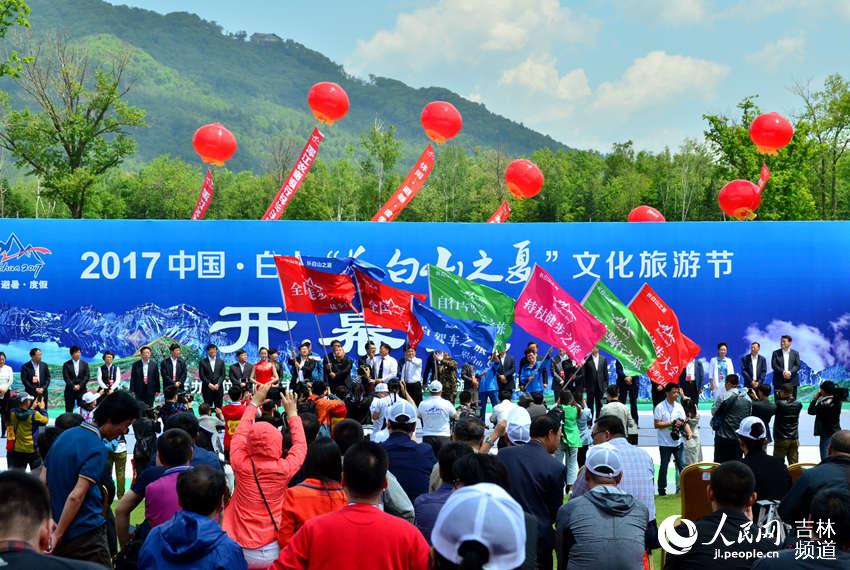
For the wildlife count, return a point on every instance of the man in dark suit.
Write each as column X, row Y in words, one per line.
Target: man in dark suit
column 173, row 369
column 144, row 378
column 75, row 373
column 786, row 364
column 365, row 363
column 240, row 371
column 211, row 374
column 596, row 380
column 506, row 370
column 337, row 367
column 35, row 376
column 629, row 387
column 690, row 381
column 753, row 366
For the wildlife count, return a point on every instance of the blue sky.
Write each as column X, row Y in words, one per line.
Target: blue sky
column 589, row 73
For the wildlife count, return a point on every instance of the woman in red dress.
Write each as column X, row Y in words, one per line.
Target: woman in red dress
column 264, row 371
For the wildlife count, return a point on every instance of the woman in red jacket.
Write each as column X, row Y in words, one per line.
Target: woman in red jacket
column 252, row 517
column 320, row 493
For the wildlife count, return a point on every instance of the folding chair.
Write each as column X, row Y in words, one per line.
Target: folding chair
column 692, row 485
column 796, row 469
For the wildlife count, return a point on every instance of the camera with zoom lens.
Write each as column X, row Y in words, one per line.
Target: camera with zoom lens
column 676, row 429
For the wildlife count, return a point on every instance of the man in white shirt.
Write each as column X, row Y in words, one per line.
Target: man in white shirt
column 385, row 367
column 503, row 408
column 378, row 407
column 6, row 377
column 411, row 374
column 108, row 375
column 670, row 414
column 436, row 414
column 719, row 368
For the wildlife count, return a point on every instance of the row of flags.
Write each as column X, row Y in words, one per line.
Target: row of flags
column 470, row 320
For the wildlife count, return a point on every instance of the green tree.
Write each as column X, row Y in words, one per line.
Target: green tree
column 12, row 13
column 383, row 149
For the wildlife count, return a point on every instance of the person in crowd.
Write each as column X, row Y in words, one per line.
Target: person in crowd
column 728, row 411
column 498, row 533
column 692, row 445
column 385, row 368
column 465, row 405
column 437, row 415
column 337, row 367
column 505, row 371
column 365, row 363
column 567, row 413
column 89, row 403
column 831, row 504
column 503, row 408
column 364, row 469
column 772, row 477
column 834, row 471
column 301, row 365
column 537, row 408
column 468, row 430
column 173, row 404
column 274, row 358
column 75, row 373
column 531, row 379
column 211, row 376
column 24, row 423
column 786, row 437
column 321, row 491
column 469, row 378
column 628, row 388
column 358, row 404
column 264, row 371
column 785, row 362
column 193, row 539
column 537, row 479
column 75, row 463
column 35, row 376
column 604, row 506
column 145, row 430
column 144, row 378
column 556, row 368
column 488, row 384
column 411, row 374
column 671, row 427
column 427, row 506
column 189, row 423
column 753, row 367
column 25, row 526
column 762, row 408
column 239, row 372
column 117, row 461
column 585, row 430
column 826, row 407
column 7, row 376
column 614, row 407
column 108, row 374
column 409, row 461
column 596, row 380
column 211, row 422
column 690, row 381
column 329, row 409
column 252, row 517
column 657, row 392
column 731, row 492
column 232, row 414
column 172, row 370
column 381, row 401
column 442, row 368
column 719, row 367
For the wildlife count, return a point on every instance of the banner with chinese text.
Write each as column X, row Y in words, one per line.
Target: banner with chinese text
column 296, row 177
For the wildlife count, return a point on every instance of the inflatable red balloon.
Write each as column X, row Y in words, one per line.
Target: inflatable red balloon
column 328, row 101
column 770, row 132
column 645, row 214
column 740, row 199
column 524, row 179
column 214, row 144
column 441, row 121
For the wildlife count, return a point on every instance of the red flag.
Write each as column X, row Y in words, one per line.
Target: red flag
column 296, row 177
column 764, row 176
column 307, row 290
column 386, row 306
column 501, row 214
column 673, row 348
column 551, row 314
column 204, row 198
column 409, row 188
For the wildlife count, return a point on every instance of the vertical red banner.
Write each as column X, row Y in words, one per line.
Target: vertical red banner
column 296, row 177
column 501, row 214
column 204, row 198
column 409, row 188
column 764, row 176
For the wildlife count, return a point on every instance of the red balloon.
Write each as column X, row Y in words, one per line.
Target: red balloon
column 524, row 179
column 645, row 214
column 740, row 199
column 214, row 143
column 770, row 132
column 328, row 101
column 441, row 121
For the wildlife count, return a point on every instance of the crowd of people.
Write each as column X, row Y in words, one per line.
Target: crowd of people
column 321, row 462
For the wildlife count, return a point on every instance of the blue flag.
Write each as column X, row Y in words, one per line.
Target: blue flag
column 341, row 265
column 466, row 341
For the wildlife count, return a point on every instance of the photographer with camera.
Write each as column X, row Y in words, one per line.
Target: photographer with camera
column 672, row 427
column 175, row 402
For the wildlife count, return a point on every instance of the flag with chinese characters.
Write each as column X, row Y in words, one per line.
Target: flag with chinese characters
column 551, row 314
column 626, row 338
column 464, row 299
column 384, row 305
column 466, row 341
column 307, row 290
column 343, row 265
column 673, row 348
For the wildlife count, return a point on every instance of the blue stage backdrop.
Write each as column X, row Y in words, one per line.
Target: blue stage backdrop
column 117, row 285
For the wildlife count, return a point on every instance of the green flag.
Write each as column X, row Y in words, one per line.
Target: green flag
column 626, row 339
column 464, row 299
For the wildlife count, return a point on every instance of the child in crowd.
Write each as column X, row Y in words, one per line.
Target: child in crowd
column 693, row 447
column 89, row 403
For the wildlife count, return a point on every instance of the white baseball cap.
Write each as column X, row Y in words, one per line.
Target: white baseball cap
column 604, row 460
column 519, row 425
column 483, row 513
column 435, row 386
column 26, row 397
column 402, row 409
column 746, row 428
column 90, row 397
column 382, row 387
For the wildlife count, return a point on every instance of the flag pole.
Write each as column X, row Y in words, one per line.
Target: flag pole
column 285, row 312
column 321, row 335
column 362, row 309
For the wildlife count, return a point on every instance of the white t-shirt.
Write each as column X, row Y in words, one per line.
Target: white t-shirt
column 501, row 411
column 6, row 376
column 436, row 414
column 667, row 412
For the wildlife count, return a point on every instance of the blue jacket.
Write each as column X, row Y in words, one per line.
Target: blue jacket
column 410, row 462
column 190, row 540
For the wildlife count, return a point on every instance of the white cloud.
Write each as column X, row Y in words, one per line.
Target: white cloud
column 673, row 11
column 774, row 54
column 814, row 347
column 540, row 74
column 474, row 97
column 841, row 344
column 659, row 77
